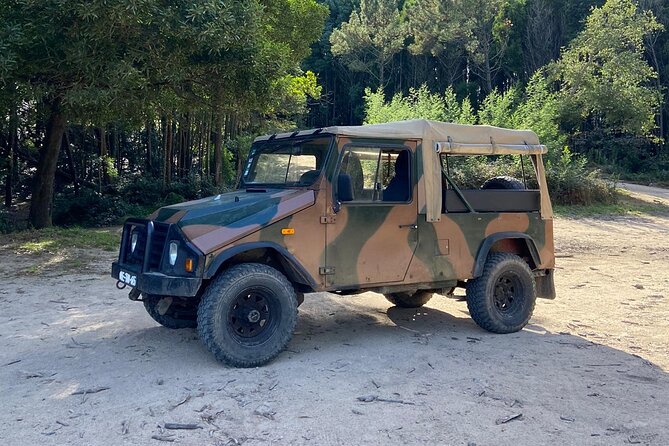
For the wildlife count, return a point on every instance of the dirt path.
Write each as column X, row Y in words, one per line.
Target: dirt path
column 656, row 192
column 80, row 364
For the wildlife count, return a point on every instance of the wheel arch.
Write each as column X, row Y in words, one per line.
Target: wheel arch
column 512, row 242
column 268, row 253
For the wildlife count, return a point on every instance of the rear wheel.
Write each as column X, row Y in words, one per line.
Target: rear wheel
column 247, row 315
column 409, row 300
column 171, row 312
column 502, row 299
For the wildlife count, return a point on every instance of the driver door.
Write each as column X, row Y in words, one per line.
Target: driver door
column 373, row 235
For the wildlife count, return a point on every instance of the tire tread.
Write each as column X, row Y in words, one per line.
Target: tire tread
column 210, row 298
column 477, row 300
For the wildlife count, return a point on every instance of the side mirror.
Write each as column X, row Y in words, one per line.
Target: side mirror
column 344, row 187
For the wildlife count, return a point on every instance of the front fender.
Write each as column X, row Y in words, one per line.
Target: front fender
column 295, row 270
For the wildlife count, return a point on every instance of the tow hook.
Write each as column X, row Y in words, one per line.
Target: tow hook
column 134, row 294
column 120, row 285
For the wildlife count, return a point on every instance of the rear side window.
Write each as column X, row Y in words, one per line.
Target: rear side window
column 495, row 183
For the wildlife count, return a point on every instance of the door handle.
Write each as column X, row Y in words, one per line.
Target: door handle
column 411, row 226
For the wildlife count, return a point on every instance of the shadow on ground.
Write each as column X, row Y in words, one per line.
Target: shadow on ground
column 356, row 372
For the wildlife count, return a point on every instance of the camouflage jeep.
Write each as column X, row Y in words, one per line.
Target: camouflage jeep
column 347, row 210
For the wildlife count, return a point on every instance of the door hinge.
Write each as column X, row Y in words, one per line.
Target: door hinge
column 328, row 219
column 326, row 270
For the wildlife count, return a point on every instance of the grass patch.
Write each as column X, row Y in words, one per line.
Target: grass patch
column 55, row 239
column 626, row 204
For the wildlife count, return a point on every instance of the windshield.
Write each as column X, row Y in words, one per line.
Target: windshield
column 292, row 162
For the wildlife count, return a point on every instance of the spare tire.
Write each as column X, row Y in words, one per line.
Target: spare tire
column 503, row 183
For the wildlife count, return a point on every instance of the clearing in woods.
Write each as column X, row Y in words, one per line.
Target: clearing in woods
column 80, row 364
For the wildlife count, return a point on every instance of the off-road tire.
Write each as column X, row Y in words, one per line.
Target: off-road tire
column 170, row 312
column 409, row 300
column 504, row 275
column 226, row 317
column 503, row 182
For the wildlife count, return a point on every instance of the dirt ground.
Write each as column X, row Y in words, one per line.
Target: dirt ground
column 81, row 364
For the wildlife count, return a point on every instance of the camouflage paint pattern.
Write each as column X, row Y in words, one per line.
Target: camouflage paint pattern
column 366, row 245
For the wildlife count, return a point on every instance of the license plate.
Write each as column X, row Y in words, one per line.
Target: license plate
column 130, row 279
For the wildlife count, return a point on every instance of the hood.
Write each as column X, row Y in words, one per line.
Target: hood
column 216, row 221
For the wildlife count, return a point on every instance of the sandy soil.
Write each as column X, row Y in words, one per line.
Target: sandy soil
column 81, row 364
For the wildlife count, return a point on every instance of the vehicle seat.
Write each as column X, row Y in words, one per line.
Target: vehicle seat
column 309, row 176
column 352, row 166
column 399, row 188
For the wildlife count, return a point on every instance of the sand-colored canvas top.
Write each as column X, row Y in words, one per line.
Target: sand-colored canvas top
column 441, row 132
column 440, row 137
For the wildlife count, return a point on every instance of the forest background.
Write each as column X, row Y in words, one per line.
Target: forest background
column 111, row 108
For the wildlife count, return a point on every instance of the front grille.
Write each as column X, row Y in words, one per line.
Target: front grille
column 158, row 241
column 139, row 257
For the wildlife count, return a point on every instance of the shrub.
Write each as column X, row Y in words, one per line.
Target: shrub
column 6, row 225
column 570, row 182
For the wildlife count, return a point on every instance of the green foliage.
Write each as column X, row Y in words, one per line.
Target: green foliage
column 478, row 28
column 135, row 196
column 569, row 179
column 265, row 66
column 6, row 223
column 570, row 182
column 419, row 104
column 625, row 204
column 470, row 172
column 498, row 108
column 603, row 74
column 373, row 34
column 293, row 92
column 539, row 111
column 93, row 209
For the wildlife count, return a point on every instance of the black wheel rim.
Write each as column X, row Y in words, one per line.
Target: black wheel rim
column 253, row 315
column 508, row 293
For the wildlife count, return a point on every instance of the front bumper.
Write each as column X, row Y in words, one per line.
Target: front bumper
column 158, row 283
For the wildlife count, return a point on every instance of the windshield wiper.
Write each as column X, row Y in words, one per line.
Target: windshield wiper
column 255, row 189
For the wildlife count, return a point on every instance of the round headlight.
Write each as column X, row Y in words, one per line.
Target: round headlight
column 133, row 241
column 174, row 250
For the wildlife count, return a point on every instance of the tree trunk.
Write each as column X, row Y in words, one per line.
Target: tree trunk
column 148, row 146
column 199, row 130
column 70, row 163
column 167, row 171
column 178, row 140
column 218, row 154
column 42, row 197
column 104, row 154
column 11, row 157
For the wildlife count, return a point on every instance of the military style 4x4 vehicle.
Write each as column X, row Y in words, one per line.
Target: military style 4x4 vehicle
column 346, row 210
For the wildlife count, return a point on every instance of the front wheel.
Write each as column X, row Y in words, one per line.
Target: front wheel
column 247, row 315
column 502, row 299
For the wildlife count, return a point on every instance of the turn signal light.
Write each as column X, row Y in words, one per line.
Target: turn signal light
column 288, row 231
column 189, row 265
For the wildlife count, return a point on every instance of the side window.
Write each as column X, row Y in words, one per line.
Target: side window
column 489, row 183
column 375, row 174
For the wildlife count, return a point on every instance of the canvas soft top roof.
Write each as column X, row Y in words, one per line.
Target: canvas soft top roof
column 483, row 136
column 434, row 138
